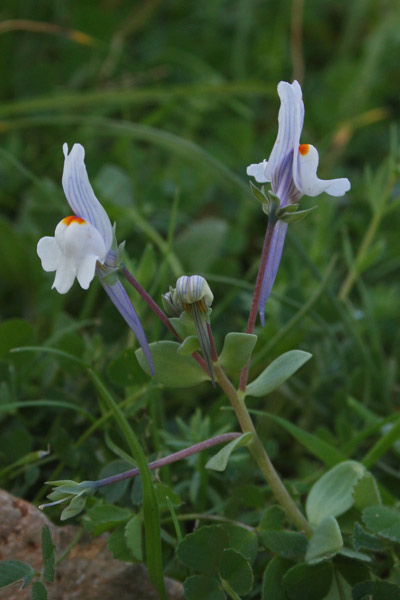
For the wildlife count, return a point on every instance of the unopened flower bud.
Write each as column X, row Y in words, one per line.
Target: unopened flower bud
column 194, row 290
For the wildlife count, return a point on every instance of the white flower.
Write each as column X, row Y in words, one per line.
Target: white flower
column 292, row 167
column 80, row 240
column 292, row 172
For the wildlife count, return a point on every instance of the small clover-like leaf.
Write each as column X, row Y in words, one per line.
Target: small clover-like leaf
column 236, row 571
column 383, row 521
column 199, row 587
column 12, row 571
column 202, row 549
column 308, row 581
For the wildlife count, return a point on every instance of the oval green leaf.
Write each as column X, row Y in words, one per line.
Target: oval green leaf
column 326, row 541
column 236, row 571
column 308, row 581
column 384, row 521
column 189, row 345
column 332, row 495
column 277, row 373
column 236, row 351
column 171, row 368
column 12, row 571
column 202, row 549
column 199, row 587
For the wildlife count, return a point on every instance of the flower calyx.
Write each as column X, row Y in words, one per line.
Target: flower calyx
column 290, row 214
column 108, row 272
column 70, row 491
column 270, row 201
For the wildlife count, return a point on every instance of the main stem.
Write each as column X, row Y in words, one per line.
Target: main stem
column 260, row 456
column 244, row 375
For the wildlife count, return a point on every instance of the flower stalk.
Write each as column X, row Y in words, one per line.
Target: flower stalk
column 260, row 456
column 244, row 375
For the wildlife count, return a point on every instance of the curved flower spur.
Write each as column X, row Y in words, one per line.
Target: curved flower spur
column 292, row 172
column 84, row 244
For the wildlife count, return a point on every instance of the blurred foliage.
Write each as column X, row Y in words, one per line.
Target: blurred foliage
column 172, row 100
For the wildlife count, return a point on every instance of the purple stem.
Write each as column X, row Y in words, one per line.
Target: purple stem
column 149, row 300
column 214, row 354
column 167, row 460
column 256, row 297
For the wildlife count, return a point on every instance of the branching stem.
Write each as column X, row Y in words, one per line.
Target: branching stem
column 167, row 460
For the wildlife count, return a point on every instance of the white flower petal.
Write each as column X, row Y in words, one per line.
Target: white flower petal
column 77, row 239
column 290, row 119
column 65, row 276
column 86, row 270
column 193, row 289
column 305, row 166
column 49, row 253
column 80, row 195
column 258, row 171
column 72, row 252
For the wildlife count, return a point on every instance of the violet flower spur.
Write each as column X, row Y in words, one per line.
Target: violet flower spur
column 292, row 172
column 84, row 244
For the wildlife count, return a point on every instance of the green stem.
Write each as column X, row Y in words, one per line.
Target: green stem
column 150, row 504
column 260, row 456
column 229, row 590
column 362, row 251
column 382, row 445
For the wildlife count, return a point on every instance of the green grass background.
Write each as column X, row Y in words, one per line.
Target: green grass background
column 172, row 100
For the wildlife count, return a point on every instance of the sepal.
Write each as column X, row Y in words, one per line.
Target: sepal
column 72, row 491
column 272, row 205
column 259, row 194
column 293, row 215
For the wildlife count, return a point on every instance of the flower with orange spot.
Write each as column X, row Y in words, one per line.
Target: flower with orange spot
column 292, row 172
column 83, row 244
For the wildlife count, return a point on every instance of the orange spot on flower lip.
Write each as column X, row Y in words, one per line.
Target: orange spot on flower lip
column 304, row 148
column 73, row 219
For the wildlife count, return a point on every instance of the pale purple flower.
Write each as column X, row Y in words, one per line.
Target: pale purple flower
column 292, row 172
column 82, row 244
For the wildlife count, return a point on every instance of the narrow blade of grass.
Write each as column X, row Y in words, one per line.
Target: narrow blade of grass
column 150, row 506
